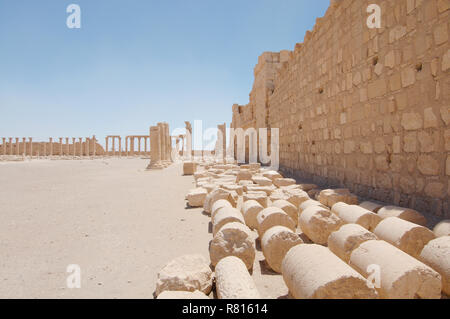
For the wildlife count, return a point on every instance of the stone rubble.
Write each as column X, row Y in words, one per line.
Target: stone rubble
column 322, row 248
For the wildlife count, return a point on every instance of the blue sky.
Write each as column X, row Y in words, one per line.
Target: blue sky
column 135, row 63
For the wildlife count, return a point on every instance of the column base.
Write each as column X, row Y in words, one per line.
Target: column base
column 157, row 165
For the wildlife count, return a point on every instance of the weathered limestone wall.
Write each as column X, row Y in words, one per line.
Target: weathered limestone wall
column 368, row 109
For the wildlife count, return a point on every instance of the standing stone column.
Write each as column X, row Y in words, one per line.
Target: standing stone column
column 145, row 146
column 94, row 141
column 24, row 146
column 17, row 146
column 74, row 148
column 61, row 146
column 10, row 146
column 67, row 152
column 106, row 145
column 4, row 145
column 80, row 140
column 132, row 145
column 126, row 145
column 114, row 146
column 88, row 146
column 222, row 144
column 155, row 148
column 168, row 143
column 30, row 141
column 188, row 139
column 139, row 145
column 51, row 146
column 161, row 141
column 120, row 146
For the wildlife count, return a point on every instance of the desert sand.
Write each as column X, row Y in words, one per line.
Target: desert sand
column 120, row 223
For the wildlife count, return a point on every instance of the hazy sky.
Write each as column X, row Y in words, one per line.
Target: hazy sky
column 137, row 62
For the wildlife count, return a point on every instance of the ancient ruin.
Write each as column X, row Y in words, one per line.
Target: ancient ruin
column 358, row 209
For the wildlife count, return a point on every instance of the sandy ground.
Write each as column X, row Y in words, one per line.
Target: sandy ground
column 119, row 223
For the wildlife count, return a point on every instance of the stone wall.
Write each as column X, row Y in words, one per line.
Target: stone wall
column 367, row 109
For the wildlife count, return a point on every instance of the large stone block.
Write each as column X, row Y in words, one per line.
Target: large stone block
column 279, row 182
column 273, row 216
column 197, row 197
column 182, row 295
column 233, row 239
column 442, row 228
column 189, row 168
column 343, row 241
column 224, row 216
column 233, row 280
column 260, row 197
column 314, row 272
column 275, row 243
column 436, row 254
column 401, row 276
column 353, row 214
column 288, row 208
column 329, row 197
column 404, row 213
column 250, row 210
column 407, row 236
column 185, row 273
column 217, row 194
column 318, row 223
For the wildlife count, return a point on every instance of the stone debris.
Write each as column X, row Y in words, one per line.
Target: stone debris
column 343, row 241
column 233, row 239
column 373, row 206
column 244, row 175
column 257, row 189
column 329, row 197
column 442, row 228
column 272, row 175
column 403, row 213
column 273, row 216
column 217, row 194
column 189, row 168
column 293, row 221
column 233, row 280
column 314, row 272
column 182, row 295
column 318, row 223
column 436, row 254
column 280, row 182
column 196, row 197
column 308, row 203
column 250, row 210
column 307, row 187
column 260, row 197
column 262, row 181
column 185, row 273
column 354, row 214
column 288, row 208
column 224, row 216
column 407, row 236
column 296, row 196
column 401, row 276
column 221, row 203
column 275, row 243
